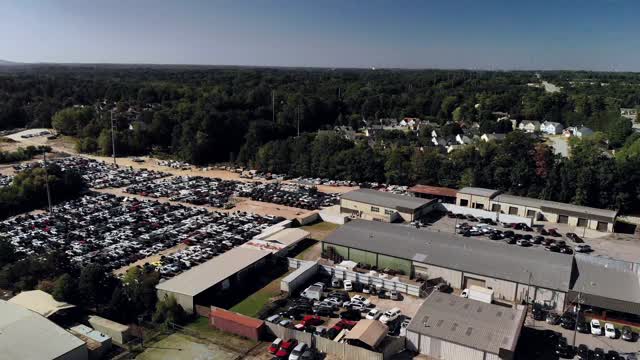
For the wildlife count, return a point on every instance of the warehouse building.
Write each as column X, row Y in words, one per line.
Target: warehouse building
column 202, row 282
column 539, row 210
column 610, row 287
column 450, row 327
column 383, row 206
column 514, row 273
column 25, row 334
column 442, row 194
column 475, row 197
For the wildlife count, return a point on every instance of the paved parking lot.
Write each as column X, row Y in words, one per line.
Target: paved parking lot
column 619, row 246
column 591, row 341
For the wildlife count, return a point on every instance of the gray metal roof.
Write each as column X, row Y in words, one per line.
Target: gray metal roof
column 607, row 283
column 580, row 211
column 519, row 200
column 478, row 256
column 25, row 334
column 476, row 191
column 467, row 322
column 212, row 272
column 386, row 199
column 558, row 207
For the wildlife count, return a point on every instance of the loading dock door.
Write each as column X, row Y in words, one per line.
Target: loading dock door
column 468, row 281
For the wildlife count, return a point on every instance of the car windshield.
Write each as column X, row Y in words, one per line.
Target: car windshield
column 595, row 325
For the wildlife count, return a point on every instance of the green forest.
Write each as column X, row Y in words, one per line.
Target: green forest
column 207, row 115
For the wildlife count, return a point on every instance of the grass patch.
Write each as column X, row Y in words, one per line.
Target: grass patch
column 320, row 230
column 202, row 328
column 304, row 254
column 253, row 303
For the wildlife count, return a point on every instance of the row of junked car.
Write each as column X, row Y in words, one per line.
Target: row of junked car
column 115, row 231
column 583, row 352
column 524, row 240
column 199, row 190
column 98, row 174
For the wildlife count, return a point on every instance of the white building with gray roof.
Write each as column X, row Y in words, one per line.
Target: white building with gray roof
column 450, row 327
column 384, row 206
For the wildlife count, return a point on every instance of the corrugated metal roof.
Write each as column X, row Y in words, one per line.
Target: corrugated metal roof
column 607, row 283
column 386, row 199
column 370, row 332
column 467, row 322
column 212, row 272
column 237, row 318
column 25, row 334
column 40, row 302
column 476, row 191
column 434, row 190
column 519, row 200
column 479, row 256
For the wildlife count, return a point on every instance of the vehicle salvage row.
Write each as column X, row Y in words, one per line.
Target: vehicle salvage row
column 98, row 174
column 116, row 231
column 216, row 192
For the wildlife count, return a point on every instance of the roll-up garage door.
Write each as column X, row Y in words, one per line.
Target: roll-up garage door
column 468, row 281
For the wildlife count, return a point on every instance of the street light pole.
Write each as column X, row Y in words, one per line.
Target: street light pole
column 575, row 328
column 113, row 140
column 46, row 180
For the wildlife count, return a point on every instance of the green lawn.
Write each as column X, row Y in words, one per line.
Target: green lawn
column 320, row 230
column 253, row 303
column 202, row 328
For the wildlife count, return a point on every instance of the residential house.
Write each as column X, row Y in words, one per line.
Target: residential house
column 551, row 128
column 492, row 137
column 463, row 139
column 629, row 113
column 529, row 126
column 578, row 131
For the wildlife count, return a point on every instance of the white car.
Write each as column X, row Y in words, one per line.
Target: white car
column 362, row 299
column 609, row 330
column 373, row 314
column 595, row 327
column 348, row 285
column 298, row 351
column 390, row 315
column 404, row 326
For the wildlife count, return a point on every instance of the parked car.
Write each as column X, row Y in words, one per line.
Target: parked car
column 286, row 348
column 583, row 327
column 373, row 314
column 552, row 318
column 598, row 354
column 348, row 285
column 609, row 330
column 352, row 314
column 568, row 322
column 275, row 346
column 309, row 354
column 573, row 237
column 595, row 327
column 404, row 325
column 537, row 312
column 297, row 351
column 393, row 294
column 613, row 355
column 583, row 352
column 523, row 243
column 563, row 350
column 582, row 248
column 627, row 333
column 390, row 315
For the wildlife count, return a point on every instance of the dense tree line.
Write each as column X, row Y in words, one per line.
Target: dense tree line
column 205, row 114
column 519, row 165
column 22, row 154
column 28, row 191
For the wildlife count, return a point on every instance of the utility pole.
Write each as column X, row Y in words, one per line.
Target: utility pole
column 273, row 106
column 46, row 180
column 113, row 140
column 575, row 327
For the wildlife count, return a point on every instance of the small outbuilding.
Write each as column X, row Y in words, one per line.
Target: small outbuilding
column 367, row 333
column 40, row 302
column 442, row 194
column 236, row 323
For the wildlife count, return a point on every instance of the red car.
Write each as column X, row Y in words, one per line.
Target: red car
column 309, row 320
column 275, row 346
column 348, row 324
column 286, row 347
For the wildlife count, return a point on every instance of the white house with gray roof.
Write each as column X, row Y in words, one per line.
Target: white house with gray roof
column 551, row 128
column 383, row 206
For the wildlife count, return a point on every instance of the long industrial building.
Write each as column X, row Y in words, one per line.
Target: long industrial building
column 537, row 209
column 514, row 273
column 383, row 206
column 609, row 287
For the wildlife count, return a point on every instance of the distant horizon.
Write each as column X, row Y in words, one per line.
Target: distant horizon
column 4, row 62
column 493, row 35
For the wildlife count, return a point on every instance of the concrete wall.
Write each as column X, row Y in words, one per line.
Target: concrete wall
column 185, row 301
column 502, row 289
column 474, row 201
column 365, row 210
column 573, row 221
column 453, row 277
column 441, row 349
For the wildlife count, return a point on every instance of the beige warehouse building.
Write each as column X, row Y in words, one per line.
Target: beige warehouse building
column 383, row 206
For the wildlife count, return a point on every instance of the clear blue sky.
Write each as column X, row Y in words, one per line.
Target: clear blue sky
column 487, row 34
